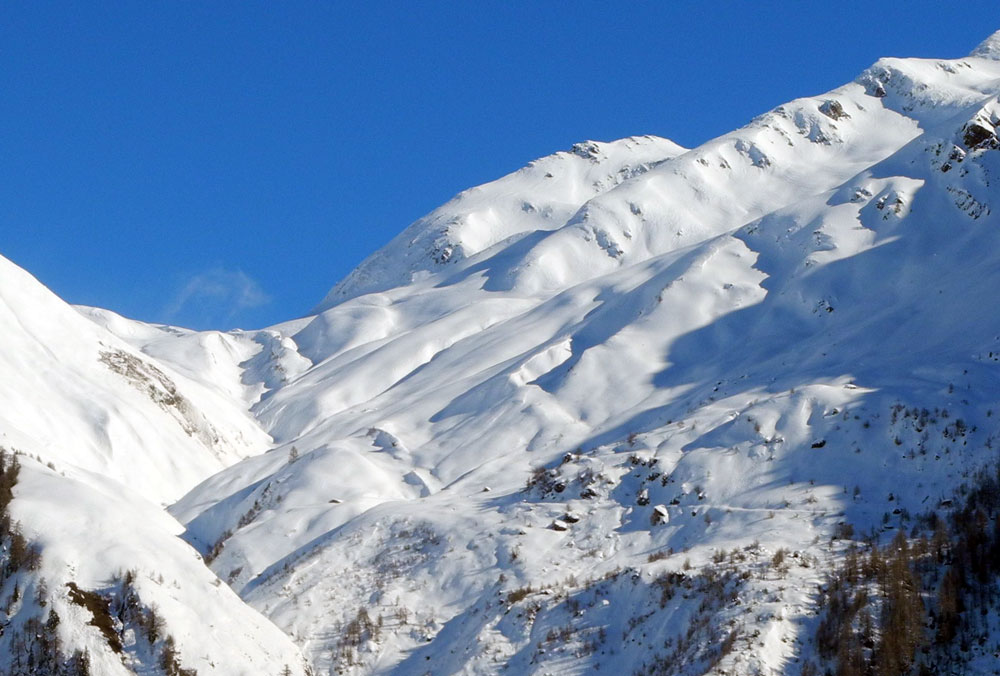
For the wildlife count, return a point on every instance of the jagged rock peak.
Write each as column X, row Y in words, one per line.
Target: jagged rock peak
column 988, row 48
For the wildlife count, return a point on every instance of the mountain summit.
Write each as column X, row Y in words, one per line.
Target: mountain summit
column 634, row 408
column 988, row 48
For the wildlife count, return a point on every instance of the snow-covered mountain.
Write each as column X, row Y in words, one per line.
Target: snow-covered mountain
column 624, row 409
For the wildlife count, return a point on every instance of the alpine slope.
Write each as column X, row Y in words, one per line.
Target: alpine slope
column 623, row 410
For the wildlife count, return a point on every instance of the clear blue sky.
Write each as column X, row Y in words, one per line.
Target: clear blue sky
column 221, row 164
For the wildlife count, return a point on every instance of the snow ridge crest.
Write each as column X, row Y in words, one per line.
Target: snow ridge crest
column 988, row 48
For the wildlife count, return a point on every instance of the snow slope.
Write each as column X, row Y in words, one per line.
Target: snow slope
column 721, row 338
column 74, row 393
column 92, row 533
column 538, row 198
column 568, row 420
column 107, row 436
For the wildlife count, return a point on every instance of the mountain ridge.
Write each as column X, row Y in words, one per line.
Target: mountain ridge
column 579, row 417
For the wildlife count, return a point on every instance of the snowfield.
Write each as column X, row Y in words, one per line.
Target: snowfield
column 622, row 410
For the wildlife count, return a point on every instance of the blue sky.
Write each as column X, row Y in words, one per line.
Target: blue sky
column 223, row 164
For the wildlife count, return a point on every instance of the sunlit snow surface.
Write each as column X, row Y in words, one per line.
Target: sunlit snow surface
column 701, row 349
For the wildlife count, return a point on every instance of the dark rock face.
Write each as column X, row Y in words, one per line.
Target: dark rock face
column 979, row 135
column 833, row 110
